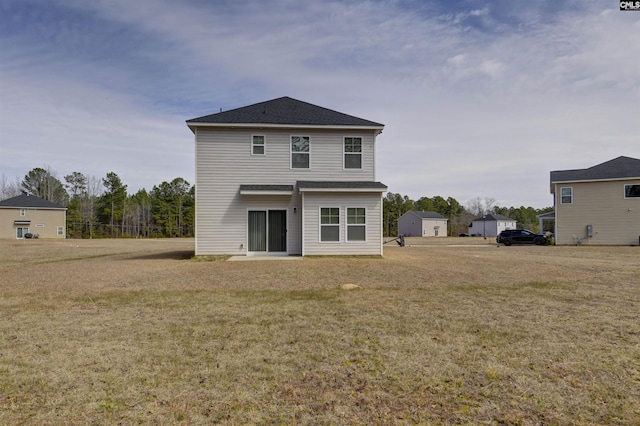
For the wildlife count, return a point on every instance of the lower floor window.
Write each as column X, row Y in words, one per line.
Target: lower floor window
column 356, row 224
column 60, row 230
column 329, row 224
column 21, row 231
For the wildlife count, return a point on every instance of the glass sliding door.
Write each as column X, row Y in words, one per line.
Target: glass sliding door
column 257, row 231
column 277, row 230
column 267, row 231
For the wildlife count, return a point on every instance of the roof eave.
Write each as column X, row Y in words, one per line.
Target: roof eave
column 378, row 190
column 594, row 180
column 194, row 125
column 260, row 192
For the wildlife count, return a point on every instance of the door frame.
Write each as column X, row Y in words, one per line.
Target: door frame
column 286, row 234
column 23, row 231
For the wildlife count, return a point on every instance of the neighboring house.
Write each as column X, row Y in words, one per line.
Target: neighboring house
column 26, row 214
column 286, row 177
column 598, row 205
column 490, row 225
column 422, row 224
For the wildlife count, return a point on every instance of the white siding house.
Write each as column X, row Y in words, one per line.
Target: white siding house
column 285, row 177
column 490, row 225
column 422, row 224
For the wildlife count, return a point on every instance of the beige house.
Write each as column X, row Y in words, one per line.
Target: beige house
column 28, row 214
column 285, row 177
column 416, row 223
column 598, row 205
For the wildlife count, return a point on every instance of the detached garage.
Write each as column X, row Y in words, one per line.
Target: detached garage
column 422, row 224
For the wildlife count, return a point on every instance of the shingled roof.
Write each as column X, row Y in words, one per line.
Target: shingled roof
column 492, row 218
column 29, row 201
column 618, row 168
column 283, row 111
column 427, row 214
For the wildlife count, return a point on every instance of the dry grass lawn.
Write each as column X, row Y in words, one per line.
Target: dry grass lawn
column 137, row 332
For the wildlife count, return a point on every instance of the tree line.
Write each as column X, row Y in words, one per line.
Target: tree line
column 459, row 217
column 101, row 207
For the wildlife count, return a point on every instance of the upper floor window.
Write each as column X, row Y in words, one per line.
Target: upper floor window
column 356, row 224
column 257, row 145
column 566, row 195
column 329, row 224
column 632, row 191
column 300, row 152
column 352, row 153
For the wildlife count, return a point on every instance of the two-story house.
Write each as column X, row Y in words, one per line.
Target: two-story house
column 599, row 204
column 285, row 177
column 415, row 223
column 28, row 214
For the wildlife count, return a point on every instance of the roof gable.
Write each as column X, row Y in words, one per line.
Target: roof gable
column 283, row 111
column 29, row 201
column 618, row 168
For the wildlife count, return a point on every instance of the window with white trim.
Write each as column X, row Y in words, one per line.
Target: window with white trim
column 300, row 148
column 566, row 195
column 60, row 230
column 257, row 145
column 632, row 191
column 352, row 153
column 329, row 224
column 356, row 224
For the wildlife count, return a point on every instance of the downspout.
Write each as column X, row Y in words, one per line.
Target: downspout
column 302, row 221
column 555, row 209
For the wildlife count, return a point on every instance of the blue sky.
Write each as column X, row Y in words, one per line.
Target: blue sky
column 479, row 98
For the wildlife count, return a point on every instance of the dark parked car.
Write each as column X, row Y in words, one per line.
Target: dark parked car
column 521, row 236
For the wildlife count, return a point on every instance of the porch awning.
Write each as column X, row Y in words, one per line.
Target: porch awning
column 22, row 222
column 547, row 216
column 266, row 189
column 341, row 186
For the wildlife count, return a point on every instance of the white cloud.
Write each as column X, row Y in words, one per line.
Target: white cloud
column 459, row 91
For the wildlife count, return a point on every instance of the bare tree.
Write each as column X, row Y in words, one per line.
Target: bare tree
column 489, row 205
column 8, row 188
column 89, row 201
column 476, row 207
column 479, row 207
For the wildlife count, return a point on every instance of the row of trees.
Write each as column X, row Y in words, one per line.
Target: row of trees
column 395, row 205
column 101, row 207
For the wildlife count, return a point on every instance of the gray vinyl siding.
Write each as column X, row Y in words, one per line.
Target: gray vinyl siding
column 410, row 225
column 615, row 220
column 311, row 233
column 224, row 162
